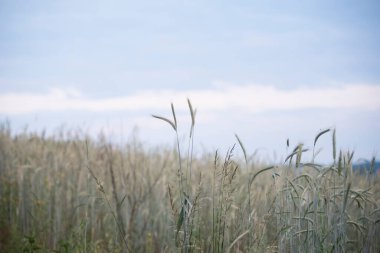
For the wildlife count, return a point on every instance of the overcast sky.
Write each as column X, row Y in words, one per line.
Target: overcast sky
column 266, row 70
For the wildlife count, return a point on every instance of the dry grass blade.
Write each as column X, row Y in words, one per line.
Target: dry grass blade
column 243, row 148
column 192, row 113
column 346, row 198
column 299, row 154
column 320, row 134
column 181, row 219
column 167, row 120
column 174, row 117
column 358, row 226
column 259, row 172
column 334, row 143
column 236, row 240
column 305, row 219
column 296, row 151
column 340, row 163
column 290, row 156
column 350, row 156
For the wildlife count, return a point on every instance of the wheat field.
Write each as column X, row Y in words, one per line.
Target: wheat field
column 74, row 193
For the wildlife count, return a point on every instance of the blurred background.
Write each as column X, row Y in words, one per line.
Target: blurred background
column 266, row 70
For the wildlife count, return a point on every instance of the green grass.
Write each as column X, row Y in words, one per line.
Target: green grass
column 71, row 193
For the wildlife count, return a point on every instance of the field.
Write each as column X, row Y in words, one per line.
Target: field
column 73, row 193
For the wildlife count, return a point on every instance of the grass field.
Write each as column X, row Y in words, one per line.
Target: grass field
column 72, row 193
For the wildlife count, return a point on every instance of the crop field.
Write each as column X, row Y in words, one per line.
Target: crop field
column 73, row 193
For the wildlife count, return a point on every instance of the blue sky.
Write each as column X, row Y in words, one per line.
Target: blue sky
column 267, row 70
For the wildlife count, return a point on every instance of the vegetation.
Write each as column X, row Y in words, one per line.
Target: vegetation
column 70, row 193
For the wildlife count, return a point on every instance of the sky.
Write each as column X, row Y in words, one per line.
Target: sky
column 266, row 70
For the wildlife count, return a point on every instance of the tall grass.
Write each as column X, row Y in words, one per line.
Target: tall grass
column 72, row 193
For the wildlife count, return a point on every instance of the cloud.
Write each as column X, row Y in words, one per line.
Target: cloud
column 251, row 98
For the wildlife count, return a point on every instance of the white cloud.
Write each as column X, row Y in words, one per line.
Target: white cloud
column 250, row 98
